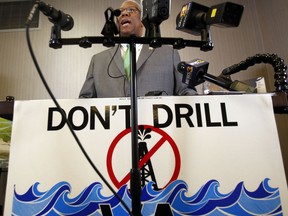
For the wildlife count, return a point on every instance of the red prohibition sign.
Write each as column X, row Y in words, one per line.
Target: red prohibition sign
column 165, row 137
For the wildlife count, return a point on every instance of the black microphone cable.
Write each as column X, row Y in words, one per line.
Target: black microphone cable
column 116, row 77
column 30, row 17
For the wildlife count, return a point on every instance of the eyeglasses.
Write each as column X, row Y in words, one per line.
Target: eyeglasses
column 129, row 10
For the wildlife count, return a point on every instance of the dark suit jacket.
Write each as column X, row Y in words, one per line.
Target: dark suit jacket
column 156, row 71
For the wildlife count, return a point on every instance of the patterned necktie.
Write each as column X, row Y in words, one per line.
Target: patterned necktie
column 126, row 59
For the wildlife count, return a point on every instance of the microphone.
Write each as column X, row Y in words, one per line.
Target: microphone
column 193, row 72
column 117, row 12
column 195, row 17
column 57, row 17
column 153, row 13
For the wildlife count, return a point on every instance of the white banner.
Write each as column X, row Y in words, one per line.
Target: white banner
column 204, row 155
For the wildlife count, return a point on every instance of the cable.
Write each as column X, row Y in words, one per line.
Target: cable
column 108, row 68
column 116, row 77
column 35, row 7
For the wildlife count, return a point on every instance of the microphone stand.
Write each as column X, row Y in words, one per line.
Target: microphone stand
column 135, row 176
column 177, row 43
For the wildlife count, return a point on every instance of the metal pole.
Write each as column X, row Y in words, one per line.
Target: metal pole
column 135, row 178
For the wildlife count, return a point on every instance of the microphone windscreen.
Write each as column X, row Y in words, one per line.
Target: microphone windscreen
column 117, row 12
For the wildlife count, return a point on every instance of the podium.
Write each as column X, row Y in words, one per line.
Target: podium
column 210, row 155
column 6, row 112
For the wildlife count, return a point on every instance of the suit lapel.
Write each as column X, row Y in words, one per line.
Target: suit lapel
column 144, row 55
column 117, row 59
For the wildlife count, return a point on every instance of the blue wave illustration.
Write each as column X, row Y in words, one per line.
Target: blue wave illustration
column 206, row 201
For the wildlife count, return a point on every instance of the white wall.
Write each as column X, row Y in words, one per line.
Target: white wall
column 273, row 24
